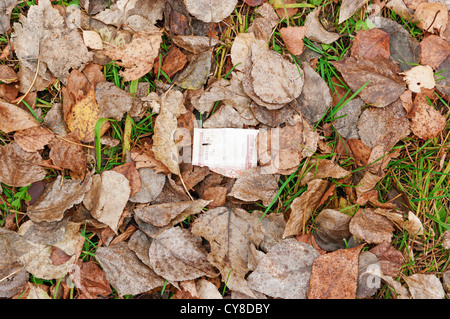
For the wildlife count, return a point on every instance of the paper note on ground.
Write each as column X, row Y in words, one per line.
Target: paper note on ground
column 227, row 151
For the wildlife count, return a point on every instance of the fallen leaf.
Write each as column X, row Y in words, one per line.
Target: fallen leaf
column 207, row 290
column 270, row 80
column 419, row 77
column 57, row 198
column 196, row 74
column 92, row 40
column 399, row 7
column 19, row 168
column 431, row 17
column 93, row 282
column 5, row 14
column 425, row 286
column 230, row 231
column 252, row 186
column 335, row 275
column 37, row 260
column 43, row 34
column 112, row 101
column 390, row 259
column 434, row 51
column 7, row 74
column 217, row 195
column 273, row 226
column 224, row 117
column 210, row 10
column 34, row 138
column 371, row 227
column 178, row 255
column 146, row 158
column 240, row 49
column 173, row 62
column 161, row 215
column 332, row 228
column 348, row 8
column 132, row 174
column 413, row 225
column 316, row 32
column 443, row 78
column 303, row 206
column 293, row 38
column 425, row 121
column 315, row 98
column 14, row 118
column 274, row 118
column 58, row 256
column 284, row 272
column 370, row 44
column 137, row 57
column 195, row 44
column 68, row 153
column 254, row 3
column 107, row 198
column 321, row 169
column 382, row 75
column 347, row 119
column 125, row 271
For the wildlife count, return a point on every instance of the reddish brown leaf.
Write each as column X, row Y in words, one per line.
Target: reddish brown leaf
column 426, row 122
column 371, row 44
column 58, row 256
column 335, row 275
column 217, row 195
column 93, row 282
column 173, row 62
column 390, row 258
column 13, row 118
column 254, row 3
column 433, row 51
column 7, row 74
column 371, row 227
column 293, row 39
column 68, row 153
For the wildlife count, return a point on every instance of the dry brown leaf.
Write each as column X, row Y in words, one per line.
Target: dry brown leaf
column 112, row 101
column 400, row 8
column 68, row 153
column 254, row 3
column 144, row 157
column 425, row 286
column 371, row 44
column 20, row 168
column 137, row 57
column 161, row 215
column 433, row 51
column 196, row 74
column 230, row 231
column 253, row 186
column 331, row 229
column 93, row 283
column 7, row 74
column 210, row 10
column 348, row 8
column 293, row 39
column 5, row 14
column 431, row 17
column 413, row 225
column 44, row 34
column 323, row 168
column 178, row 255
column 194, row 44
column 425, row 121
column 125, row 271
column 217, row 195
column 14, row 118
column 58, row 197
column 303, row 206
column 371, row 227
column 390, row 259
column 107, row 198
column 279, row 8
column 382, row 74
column 34, row 138
column 335, row 275
column 270, row 80
column 37, row 260
column 131, row 173
column 225, row 117
column 173, row 62
column 284, row 272
column 240, row 49
column 316, row 32
column 92, row 40
column 315, row 98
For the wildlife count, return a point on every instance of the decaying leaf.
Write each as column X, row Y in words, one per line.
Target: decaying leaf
column 425, row 286
column 125, row 271
column 347, row 119
column 371, row 44
column 137, row 57
column 385, row 85
column 196, row 74
column 132, row 174
column 112, row 101
column 195, row 44
column 270, row 80
column 369, row 274
column 426, row 122
column 43, row 34
column 93, row 283
column 107, row 198
column 252, row 186
column 240, row 49
column 230, row 231
column 67, row 152
column 332, row 228
column 210, row 10
column 371, row 227
column 58, row 197
column 390, row 259
column 5, row 14
column 413, row 225
column 335, row 275
column 161, row 215
column 303, row 206
column 173, row 62
column 323, row 168
column 434, row 51
column 34, row 138
column 177, row 255
column 284, row 272
column 7, row 74
column 316, row 32
column 400, row 8
column 273, row 226
column 19, row 168
column 14, row 118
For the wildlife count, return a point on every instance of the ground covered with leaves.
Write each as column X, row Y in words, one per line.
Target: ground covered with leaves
column 99, row 100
